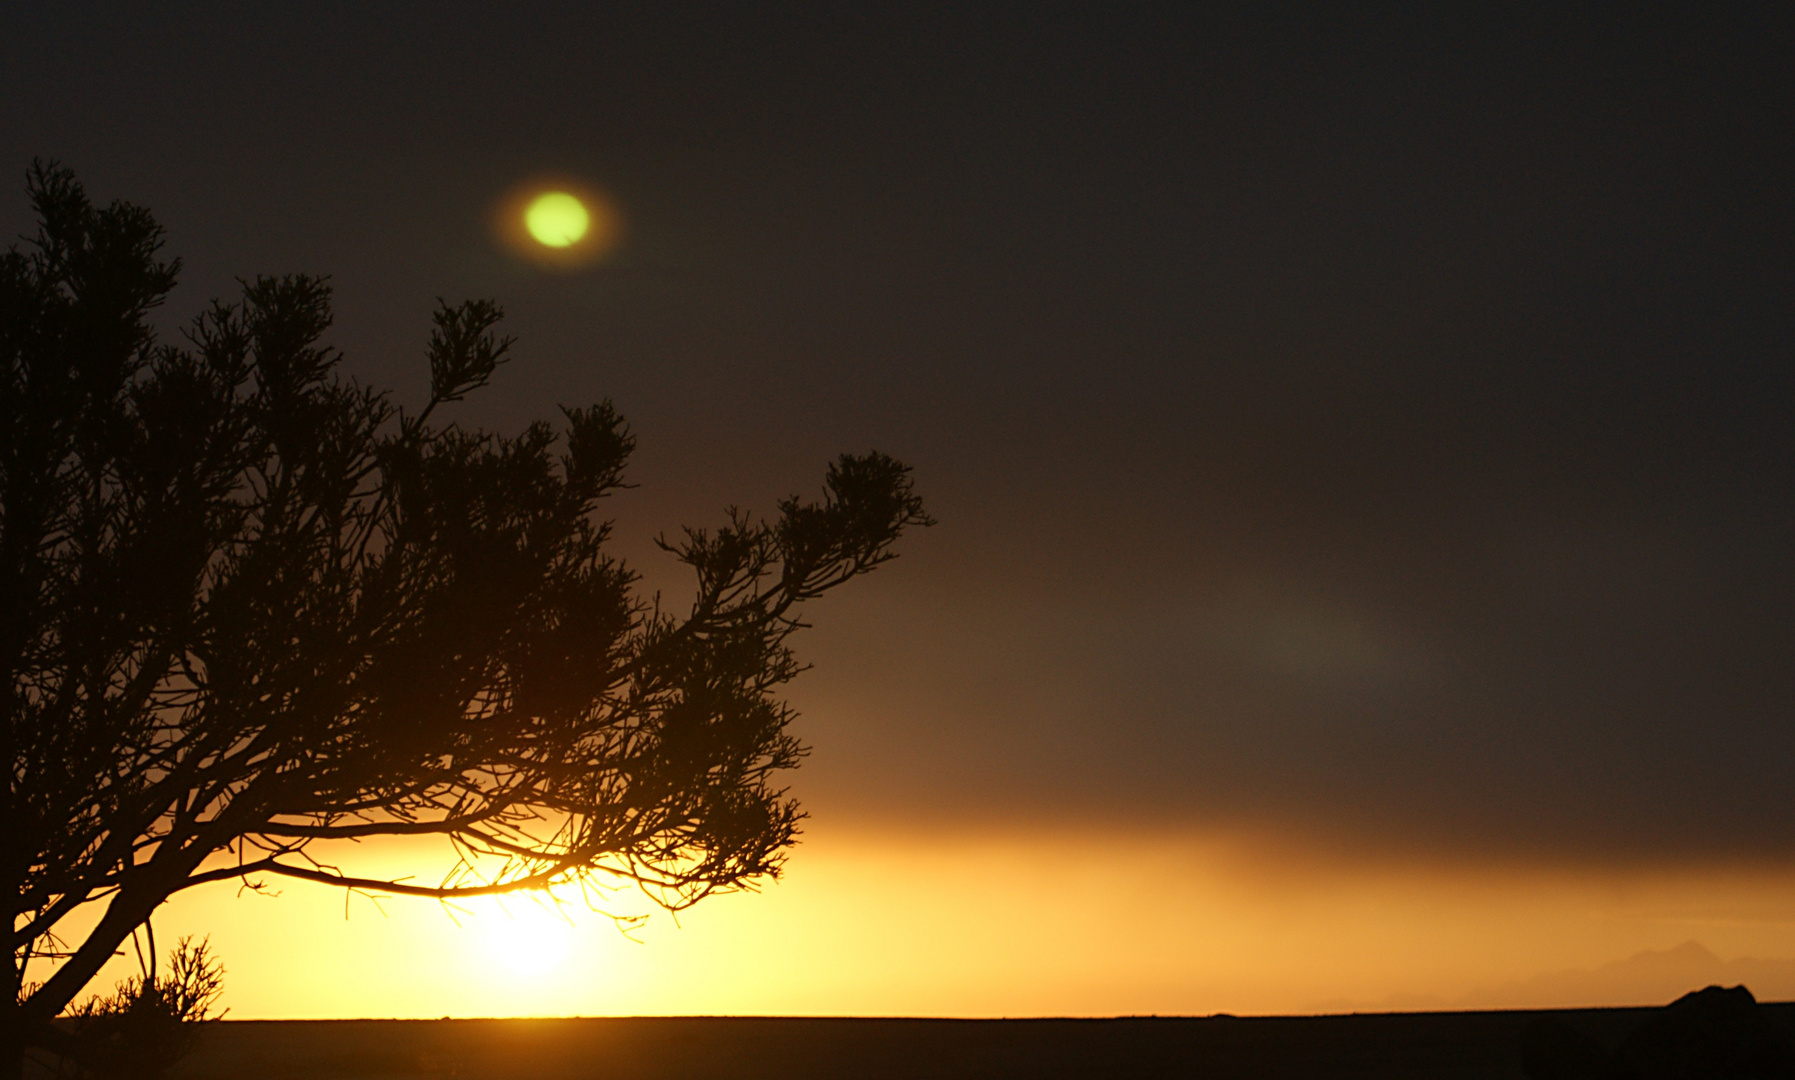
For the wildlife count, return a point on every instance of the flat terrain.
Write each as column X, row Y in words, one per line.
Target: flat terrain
column 1386, row 1045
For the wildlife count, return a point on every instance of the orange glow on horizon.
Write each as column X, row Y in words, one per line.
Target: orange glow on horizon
column 1011, row 925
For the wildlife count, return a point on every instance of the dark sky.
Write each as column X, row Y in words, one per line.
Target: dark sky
column 1376, row 426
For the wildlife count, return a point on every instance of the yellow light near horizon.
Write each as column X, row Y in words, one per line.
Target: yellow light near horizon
column 861, row 924
column 556, row 219
column 525, row 939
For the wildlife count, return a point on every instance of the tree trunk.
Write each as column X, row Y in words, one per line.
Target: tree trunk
column 12, row 870
column 129, row 909
column 12, row 1038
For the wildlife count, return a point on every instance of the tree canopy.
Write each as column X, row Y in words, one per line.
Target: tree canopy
column 250, row 604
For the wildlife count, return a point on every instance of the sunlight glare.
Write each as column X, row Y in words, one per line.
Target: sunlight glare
column 558, row 222
column 557, row 219
column 526, row 939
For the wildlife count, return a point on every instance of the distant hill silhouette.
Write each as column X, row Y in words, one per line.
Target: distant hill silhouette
column 1641, row 979
column 1651, row 977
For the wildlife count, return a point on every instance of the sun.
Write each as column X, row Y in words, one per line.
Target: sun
column 558, row 222
column 557, row 219
column 526, row 940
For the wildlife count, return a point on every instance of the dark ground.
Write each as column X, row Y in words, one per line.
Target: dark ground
column 1394, row 1045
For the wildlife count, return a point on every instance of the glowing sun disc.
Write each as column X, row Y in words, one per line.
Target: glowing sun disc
column 529, row 942
column 556, row 219
column 557, row 222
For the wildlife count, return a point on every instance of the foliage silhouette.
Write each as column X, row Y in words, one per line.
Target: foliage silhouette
column 251, row 605
column 149, row 1022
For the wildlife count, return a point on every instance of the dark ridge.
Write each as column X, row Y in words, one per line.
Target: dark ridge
column 1384, row 1045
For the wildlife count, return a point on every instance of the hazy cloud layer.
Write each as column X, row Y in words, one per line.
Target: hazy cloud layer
column 1377, row 427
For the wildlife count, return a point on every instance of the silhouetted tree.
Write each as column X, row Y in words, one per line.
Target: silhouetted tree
column 249, row 605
